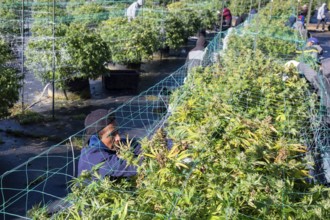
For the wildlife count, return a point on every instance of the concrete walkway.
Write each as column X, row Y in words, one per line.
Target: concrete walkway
column 323, row 37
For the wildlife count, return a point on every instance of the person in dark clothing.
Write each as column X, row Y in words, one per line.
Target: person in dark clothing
column 102, row 139
column 292, row 19
column 312, row 48
column 226, row 16
column 304, row 10
column 253, row 11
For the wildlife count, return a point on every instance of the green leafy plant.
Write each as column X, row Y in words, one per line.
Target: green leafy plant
column 89, row 15
column 9, row 18
column 9, row 80
column 80, row 53
column 232, row 148
column 125, row 151
column 38, row 212
column 130, row 42
column 180, row 23
column 238, row 7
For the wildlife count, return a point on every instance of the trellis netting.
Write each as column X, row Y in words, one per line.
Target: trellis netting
column 45, row 178
column 40, row 182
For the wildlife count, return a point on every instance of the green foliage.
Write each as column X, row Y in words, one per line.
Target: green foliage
column 310, row 60
column 5, row 52
column 238, row 7
column 39, row 53
column 125, row 151
column 38, row 212
column 9, row 18
column 239, row 162
column 87, row 51
column 165, row 2
column 315, row 3
column 255, row 87
column 9, row 80
column 44, row 12
column 179, row 26
column 271, row 46
column 79, row 52
column 269, row 34
column 278, row 9
column 236, row 149
column 131, row 42
column 185, row 18
column 89, row 14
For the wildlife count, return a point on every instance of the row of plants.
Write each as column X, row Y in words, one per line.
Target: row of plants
column 87, row 36
column 239, row 7
column 237, row 147
column 125, row 42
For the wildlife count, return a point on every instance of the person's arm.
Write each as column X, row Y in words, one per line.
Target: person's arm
column 319, row 49
column 310, row 75
column 114, row 166
column 110, row 164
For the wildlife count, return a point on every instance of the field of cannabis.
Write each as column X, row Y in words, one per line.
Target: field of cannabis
column 234, row 146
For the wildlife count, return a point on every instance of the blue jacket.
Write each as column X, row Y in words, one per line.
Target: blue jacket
column 97, row 153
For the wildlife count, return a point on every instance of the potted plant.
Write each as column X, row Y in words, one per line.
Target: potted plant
column 130, row 43
column 180, row 23
column 79, row 55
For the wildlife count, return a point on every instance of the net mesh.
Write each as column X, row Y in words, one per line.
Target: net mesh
column 48, row 179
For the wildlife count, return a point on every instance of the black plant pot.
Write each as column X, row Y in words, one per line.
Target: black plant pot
column 125, row 79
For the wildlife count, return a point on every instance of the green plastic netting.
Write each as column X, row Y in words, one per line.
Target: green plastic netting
column 139, row 117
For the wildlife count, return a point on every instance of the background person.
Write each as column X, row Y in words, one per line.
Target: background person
column 304, row 10
column 321, row 16
column 196, row 55
column 132, row 10
column 226, row 17
column 299, row 26
column 291, row 21
column 102, row 139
